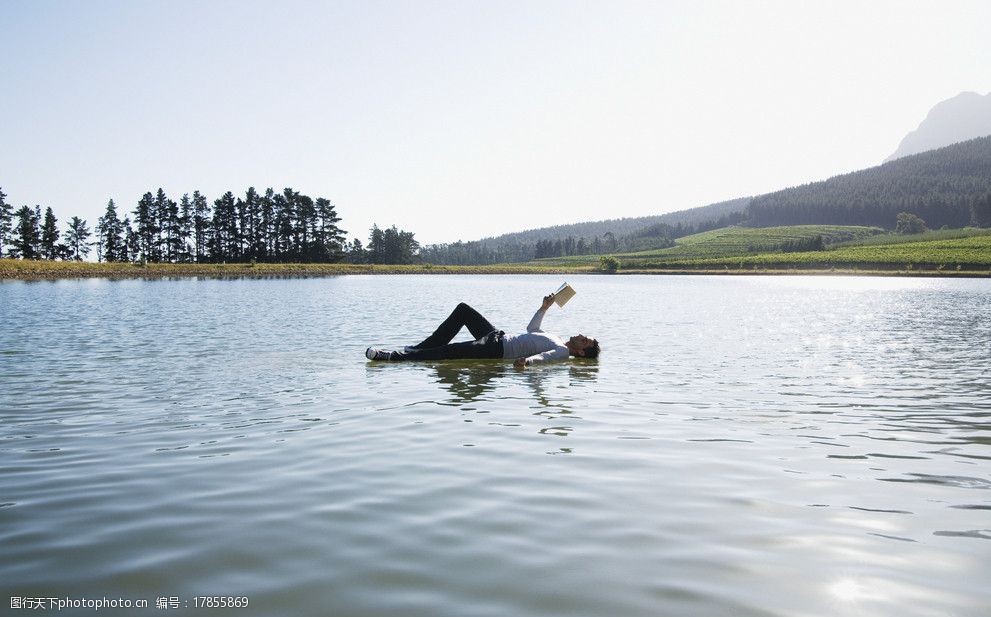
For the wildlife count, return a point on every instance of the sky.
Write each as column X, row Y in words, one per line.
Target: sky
column 458, row 120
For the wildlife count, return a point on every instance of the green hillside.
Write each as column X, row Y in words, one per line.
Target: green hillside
column 744, row 240
column 844, row 247
column 965, row 254
column 969, row 253
column 933, row 234
column 730, row 241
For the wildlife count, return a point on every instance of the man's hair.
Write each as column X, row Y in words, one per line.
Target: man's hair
column 592, row 349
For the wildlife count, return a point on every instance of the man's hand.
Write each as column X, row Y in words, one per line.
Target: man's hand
column 548, row 301
column 519, row 364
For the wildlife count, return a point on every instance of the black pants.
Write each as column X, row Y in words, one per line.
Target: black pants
column 438, row 346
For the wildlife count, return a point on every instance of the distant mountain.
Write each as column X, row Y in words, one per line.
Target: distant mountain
column 948, row 186
column 963, row 117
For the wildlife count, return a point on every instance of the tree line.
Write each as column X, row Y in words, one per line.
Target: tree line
column 285, row 226
column 270, row 226
column 27, row 234
column 481, row 252
column 385, row 246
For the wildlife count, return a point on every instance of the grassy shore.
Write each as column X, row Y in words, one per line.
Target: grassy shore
column 13, row 269
column 787, row 270
column 50, row 270
column 731, row 250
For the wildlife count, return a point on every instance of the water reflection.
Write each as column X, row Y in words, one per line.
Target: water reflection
column 469, row 382
column 549, row 392
column 583, row 370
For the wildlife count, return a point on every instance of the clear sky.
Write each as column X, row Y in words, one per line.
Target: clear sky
column 463, row 119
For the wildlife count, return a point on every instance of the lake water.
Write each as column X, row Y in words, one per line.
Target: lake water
column 808, row 446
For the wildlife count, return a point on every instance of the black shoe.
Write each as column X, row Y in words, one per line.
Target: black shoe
column 379, row 354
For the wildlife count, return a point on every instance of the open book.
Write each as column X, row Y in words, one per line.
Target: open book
column 563, row 294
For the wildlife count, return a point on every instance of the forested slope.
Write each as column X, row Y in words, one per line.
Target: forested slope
column 949, row 186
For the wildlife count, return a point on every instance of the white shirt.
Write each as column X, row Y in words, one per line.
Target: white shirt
column 535, row 345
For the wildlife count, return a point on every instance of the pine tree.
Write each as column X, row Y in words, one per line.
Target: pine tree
column 173, row 232
column 165, row 244
column 6, row 222
column 110, row 236
column 49, row 235
column 27, row 239
column 283, row 228
column 305, row 224
column 356, row 253
column 160, row 212
column 132, row 242
column 76, row 239
column 289, row 228
column 147, row 229
column 268, row 226
column 330, row 238
column 251, row 224
column 201, row 227
column 376, row 245
column 185, row 228
column 225, row 238
column 246, row 222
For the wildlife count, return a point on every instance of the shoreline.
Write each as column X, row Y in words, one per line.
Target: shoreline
column 902, row 273
column 11, row 269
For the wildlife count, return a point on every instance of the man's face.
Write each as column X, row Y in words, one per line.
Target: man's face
column 578, row 343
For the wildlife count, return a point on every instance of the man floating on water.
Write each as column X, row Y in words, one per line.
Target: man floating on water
column 531, row 347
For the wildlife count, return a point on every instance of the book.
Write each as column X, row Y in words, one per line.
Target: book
column 564, row 293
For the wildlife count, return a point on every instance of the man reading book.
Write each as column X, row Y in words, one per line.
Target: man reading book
column 532, row 347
